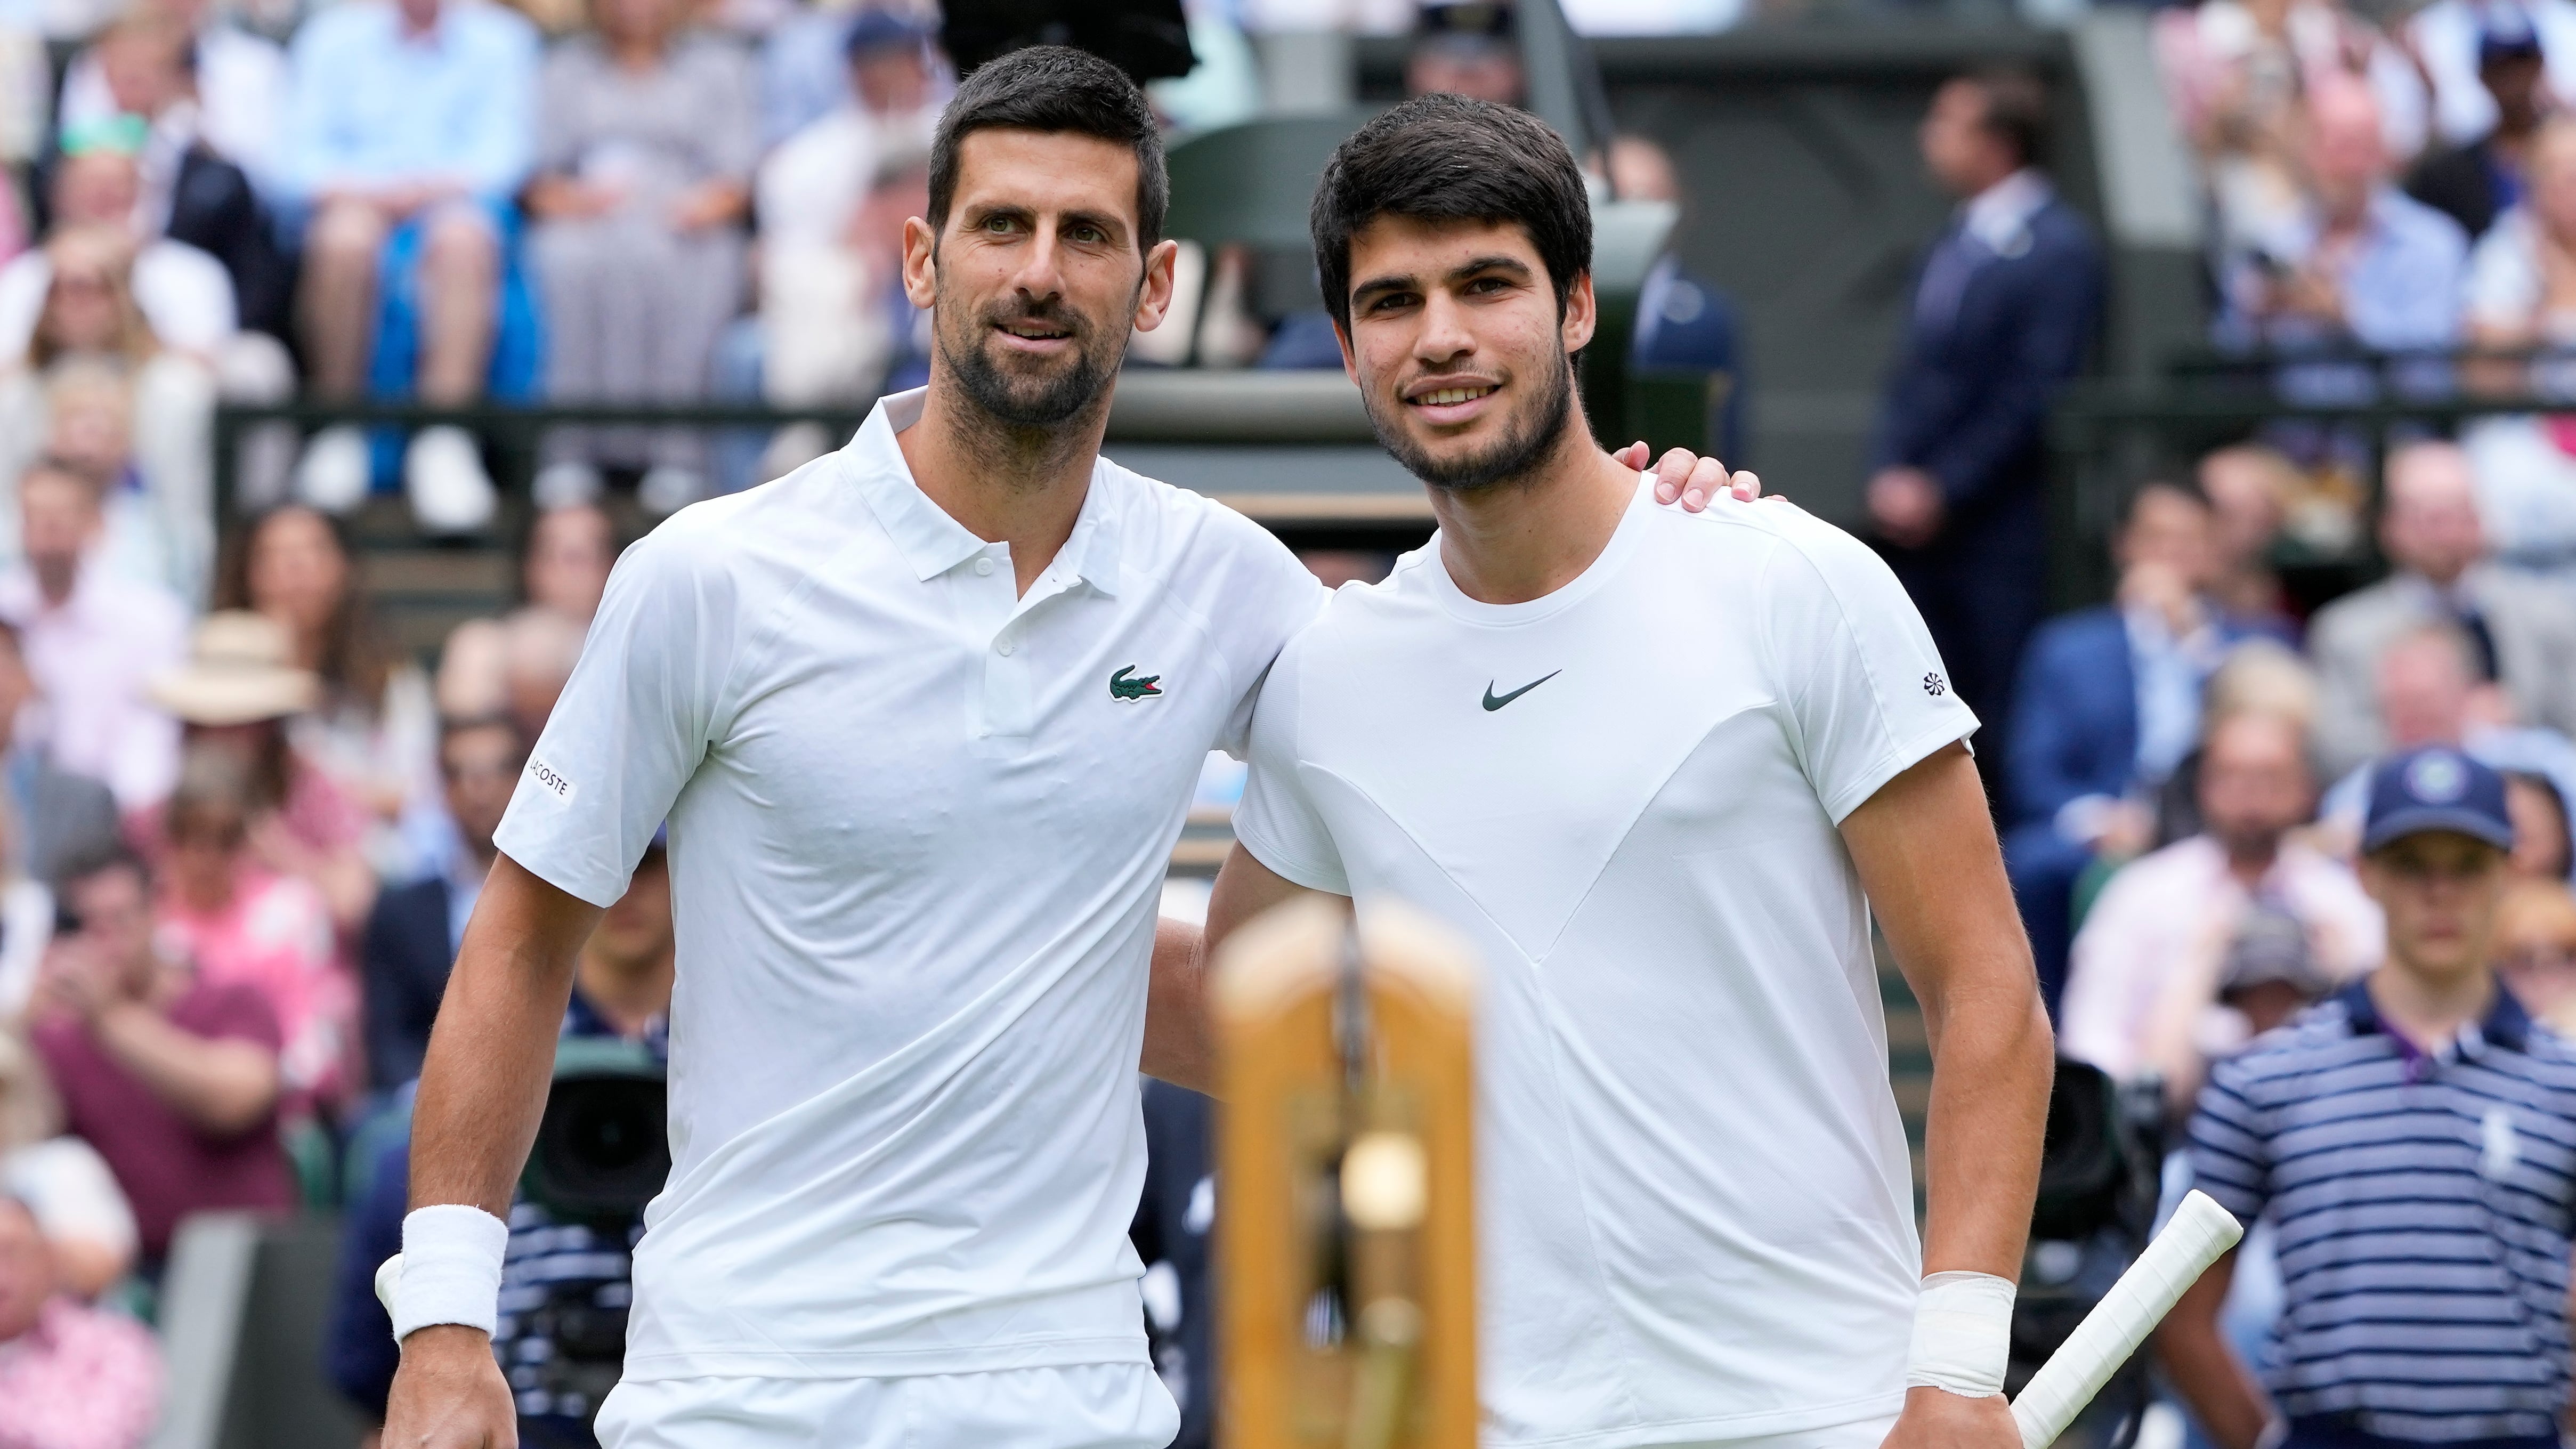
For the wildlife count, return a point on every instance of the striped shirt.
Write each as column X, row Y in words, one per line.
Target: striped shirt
column 2422, row 1205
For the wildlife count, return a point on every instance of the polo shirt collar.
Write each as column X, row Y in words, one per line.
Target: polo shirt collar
column 930, row 540
column 2506, row 1023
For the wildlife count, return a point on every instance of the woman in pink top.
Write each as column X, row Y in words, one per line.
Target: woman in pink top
column 242, row 923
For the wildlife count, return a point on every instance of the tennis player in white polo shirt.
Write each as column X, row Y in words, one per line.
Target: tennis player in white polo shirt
column 1666, row 841
column 924, row 718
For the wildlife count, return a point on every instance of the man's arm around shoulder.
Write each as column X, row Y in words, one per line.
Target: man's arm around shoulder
column 482, row 1090
column 1928, row 859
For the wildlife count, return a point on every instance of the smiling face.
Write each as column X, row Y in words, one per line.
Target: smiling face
column 1456, row 342
column 1039, row 274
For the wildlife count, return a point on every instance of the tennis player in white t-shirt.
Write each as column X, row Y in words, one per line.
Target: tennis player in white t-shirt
column 924, row 718
column 1666, row 842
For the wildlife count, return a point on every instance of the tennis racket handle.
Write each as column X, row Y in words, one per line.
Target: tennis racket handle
column 2199, row 1233
column 388, row 1277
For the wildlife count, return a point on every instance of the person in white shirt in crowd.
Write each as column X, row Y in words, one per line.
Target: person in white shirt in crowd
column 92, row 641
column 1695, row 1208
column 184, row 293
column 241, row 86
column 899, row 1203
column 2155, row 939
column 86, row 1221
column 2519, row 296
column 2522, row 632
column 822, row 331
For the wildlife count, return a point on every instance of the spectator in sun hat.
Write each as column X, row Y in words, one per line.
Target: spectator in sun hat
column 236, row 696
column 2424, row 1088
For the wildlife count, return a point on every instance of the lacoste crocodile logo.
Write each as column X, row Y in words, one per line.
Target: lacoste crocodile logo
column 1495, row 701
column 1122, row 687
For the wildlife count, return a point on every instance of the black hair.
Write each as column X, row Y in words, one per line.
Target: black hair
column 99, row 859
column 2016, row 110
column 1054, row 88
column 1449, row 158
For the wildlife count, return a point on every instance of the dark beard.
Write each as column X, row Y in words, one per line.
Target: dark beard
column 1008, row 400
column 1508, row 460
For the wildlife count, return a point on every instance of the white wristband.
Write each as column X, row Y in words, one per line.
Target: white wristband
column 451, row 1269
column 1962, row 1334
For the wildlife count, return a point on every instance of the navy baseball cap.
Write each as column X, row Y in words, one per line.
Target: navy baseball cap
column 2436, row 788
column 882, row 30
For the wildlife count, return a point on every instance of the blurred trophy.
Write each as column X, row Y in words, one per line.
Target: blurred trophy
column 1347, row 1219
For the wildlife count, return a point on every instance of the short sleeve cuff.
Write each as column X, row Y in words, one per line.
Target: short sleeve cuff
column 1284, row 863
column 1953, row 727
column 591, row 881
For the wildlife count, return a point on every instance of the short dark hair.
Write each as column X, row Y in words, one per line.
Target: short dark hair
column 99, row 860
column 454, row 726
column 1449, row 158
column 1058, row 89
column 2016, row 110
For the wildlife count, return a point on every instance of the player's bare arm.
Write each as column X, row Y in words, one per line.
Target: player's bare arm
column 1930, row 865
column 2222, row 1393
column 482, row 1089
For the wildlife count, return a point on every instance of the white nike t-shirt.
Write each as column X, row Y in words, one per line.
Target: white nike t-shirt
column 1695, row 1206
column 918, row 829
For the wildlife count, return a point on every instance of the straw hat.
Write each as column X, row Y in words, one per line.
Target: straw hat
column 240, row 670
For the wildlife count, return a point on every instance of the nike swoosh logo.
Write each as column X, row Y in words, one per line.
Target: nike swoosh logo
column 1494, row 701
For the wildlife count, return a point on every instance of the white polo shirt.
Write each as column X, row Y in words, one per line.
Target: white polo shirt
column 918, row 830
column 1695, row 1206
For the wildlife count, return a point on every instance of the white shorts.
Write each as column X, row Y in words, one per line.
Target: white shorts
column 1087, row 1406
column 1866, row 1434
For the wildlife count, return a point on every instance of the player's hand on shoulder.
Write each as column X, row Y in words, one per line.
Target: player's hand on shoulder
column 1939, row 1419
column 449, row 1394
column 1686, row 478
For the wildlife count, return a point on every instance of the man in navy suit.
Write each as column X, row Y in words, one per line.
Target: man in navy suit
column 2003, row 309
column 414, row 930
column 2109, row 706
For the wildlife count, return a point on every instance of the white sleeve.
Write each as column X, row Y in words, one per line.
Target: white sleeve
column 1278, row 821
column 1865, row 691
column 1272, row 605
column 2501, row 284
column 634, row 721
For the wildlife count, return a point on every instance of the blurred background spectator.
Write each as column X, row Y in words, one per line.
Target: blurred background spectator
column 173, row 1079
column 413, row 934
column 563, row 570
column 645, row 142
column 55, row 815
column 409, row 134
column 373, row 731
column 2476, row 180
column 2172, row 930
column 86, row 1222
column 2108, row 708
column 72, row 1376
column 2523, row 634
column 91, row 641
column 2535, row 950
column 2002, row 311
column 2353, row 262
column 241, row 695
column 235, row 83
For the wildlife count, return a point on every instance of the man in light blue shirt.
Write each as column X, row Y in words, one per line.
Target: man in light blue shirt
column 2366, row 267
column 409, row 130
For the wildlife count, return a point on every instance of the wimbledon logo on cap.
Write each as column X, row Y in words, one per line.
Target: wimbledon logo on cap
column 2438, row 779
